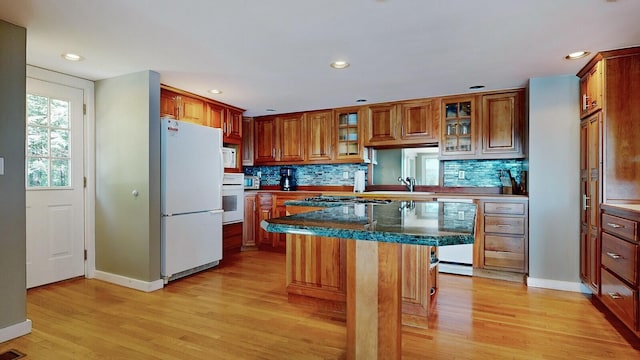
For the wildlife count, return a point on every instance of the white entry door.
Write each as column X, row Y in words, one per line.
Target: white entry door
column 54, row 182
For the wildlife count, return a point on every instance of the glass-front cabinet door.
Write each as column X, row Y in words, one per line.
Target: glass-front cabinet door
column 458, row 127
column 349, row 139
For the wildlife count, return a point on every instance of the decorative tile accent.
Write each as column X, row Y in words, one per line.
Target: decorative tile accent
column 308, row 175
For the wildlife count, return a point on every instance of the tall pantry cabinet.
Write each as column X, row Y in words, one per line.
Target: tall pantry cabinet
column 609, row 169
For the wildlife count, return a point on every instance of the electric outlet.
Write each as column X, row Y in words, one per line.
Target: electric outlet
column 460, row 174
column 345, row 175
column 461, row 215
column 259, row 174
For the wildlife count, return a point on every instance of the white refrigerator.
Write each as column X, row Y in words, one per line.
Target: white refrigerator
column 191, row 182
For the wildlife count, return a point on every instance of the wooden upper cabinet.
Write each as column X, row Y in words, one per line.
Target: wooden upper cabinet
column 381, row 125
column 291, row 138
column 264, row 149
column 319, row 130
column 216, row 115
column 192, row 110
column 349, row 128
column 247, row 141
column 232, row 126
column 622, row 127
column 591, row 90
column 168, row 104
column 459, row 128
column 502, row 125
column 419, row 121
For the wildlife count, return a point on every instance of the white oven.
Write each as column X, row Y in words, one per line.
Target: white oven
column 232, row 198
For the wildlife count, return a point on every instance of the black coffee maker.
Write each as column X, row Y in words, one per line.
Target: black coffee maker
column 287, row 179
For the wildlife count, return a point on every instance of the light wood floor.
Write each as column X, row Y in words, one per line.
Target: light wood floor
column 239, row 310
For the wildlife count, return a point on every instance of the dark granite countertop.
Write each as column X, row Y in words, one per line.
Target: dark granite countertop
column 429, row 223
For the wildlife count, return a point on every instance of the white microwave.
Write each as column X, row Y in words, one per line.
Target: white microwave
column 229, row 157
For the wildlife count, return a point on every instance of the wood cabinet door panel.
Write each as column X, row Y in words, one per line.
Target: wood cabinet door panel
column 249, row 224
column 382, row 127
column 291, row 139
column 168, row 104
column 320, row 133
column 621, row 165
column 316, row 262
column 501, row 120
column 419, row 121
column 264, row 140
column 192, row 110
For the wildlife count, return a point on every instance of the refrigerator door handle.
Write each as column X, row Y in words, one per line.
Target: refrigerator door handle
column 218, row 211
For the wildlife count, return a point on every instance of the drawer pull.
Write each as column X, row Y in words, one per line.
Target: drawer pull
column 503, row 208
column 503, row 225
column 615, row 226
column 613, row 255
column 614, row 295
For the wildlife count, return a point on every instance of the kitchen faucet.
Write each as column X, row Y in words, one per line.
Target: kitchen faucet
column 409, row 182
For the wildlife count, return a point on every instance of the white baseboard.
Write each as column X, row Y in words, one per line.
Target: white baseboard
column 558, row 285
column 14, row 331
column 136, row 284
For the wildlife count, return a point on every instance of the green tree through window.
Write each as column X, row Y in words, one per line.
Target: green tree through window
column 48, row 152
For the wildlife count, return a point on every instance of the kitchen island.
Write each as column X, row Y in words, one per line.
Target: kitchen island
column 374, row 261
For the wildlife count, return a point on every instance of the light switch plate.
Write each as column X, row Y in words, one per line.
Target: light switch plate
column 1, row 165
column 460, row 174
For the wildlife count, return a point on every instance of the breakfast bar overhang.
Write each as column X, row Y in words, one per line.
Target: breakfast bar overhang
column 374, row 260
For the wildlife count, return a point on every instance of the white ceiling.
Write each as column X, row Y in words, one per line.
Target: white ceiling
column 276, row 54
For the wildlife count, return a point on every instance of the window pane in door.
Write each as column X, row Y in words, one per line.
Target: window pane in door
column 48, row 142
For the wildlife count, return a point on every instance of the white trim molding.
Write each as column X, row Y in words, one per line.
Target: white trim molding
column 136, row 284
column 557, row 285
column 15, row 330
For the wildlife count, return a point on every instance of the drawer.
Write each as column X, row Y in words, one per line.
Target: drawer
column 504, row 243
column 620, row 257
column 619, row 298
column 504, row 260
column 504, row 225
column 619, row 226
column 504, row 208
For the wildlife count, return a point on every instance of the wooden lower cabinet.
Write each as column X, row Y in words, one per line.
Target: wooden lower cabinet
column 502, row 236
column 620, row 263
column 231, row 238
column 316, row 274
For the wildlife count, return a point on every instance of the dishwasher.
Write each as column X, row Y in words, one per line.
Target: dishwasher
column 456, row 259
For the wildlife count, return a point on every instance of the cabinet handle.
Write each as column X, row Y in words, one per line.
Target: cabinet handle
column 615, row 226
column 615, row 295
column 504, row 225
column 585, row 104
column 273, row 152
column 613, row 255
column 585, row 198
column 503, row 208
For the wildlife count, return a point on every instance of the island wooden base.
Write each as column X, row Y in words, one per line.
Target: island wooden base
column 317, row 275
column 374, row 300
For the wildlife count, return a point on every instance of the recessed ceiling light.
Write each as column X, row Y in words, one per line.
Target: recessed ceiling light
column 577, row 55
column 476, row 87
column 72, row 57
column 361, row 100
column 270, row 110
column 215, row 91
column 339, row 64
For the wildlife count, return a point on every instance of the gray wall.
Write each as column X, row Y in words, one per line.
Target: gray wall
column 554, row 178
column 128, row 159
column 13, row 296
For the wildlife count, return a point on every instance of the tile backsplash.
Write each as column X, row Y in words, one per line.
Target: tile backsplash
column 308, row 175
column 481, row 173
column 477, row 173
